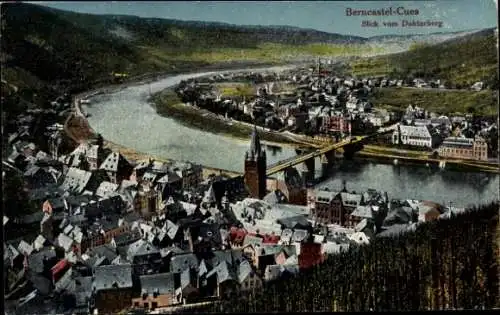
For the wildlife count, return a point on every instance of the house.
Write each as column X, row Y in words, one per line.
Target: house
column 248, row 280
column 76, row 180
column 112, row 288
column 478, row 86
column 225, row 278
column 116, row 167
column 350, row 201
column 55, row 205
column 362, row 212
column 327, row 208
column 428, row 211
column 157, row 290
column 80, row 288
column 37, row 177
column 359, row 237
column 464, row 148
column 169, row 184
column 145, row 257
column 183, row 261
column 336, row 124
column 105, row 189
column 422, row 136
column 190, row 173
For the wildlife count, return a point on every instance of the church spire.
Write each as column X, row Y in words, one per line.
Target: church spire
column 255, row 148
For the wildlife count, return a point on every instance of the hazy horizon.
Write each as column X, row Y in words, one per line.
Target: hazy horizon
column 330, row 16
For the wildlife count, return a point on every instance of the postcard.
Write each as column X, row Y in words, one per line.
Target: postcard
column 245, row 156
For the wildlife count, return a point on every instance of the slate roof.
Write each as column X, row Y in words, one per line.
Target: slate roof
column 222, row 271
column 140, row 248
column 221, row 256
column 294, row 222
column 299, row 235
column 275, row 197
column 127, row 238
column 162, row 283
column 57, row 203
column 244, row 271
column 114, row 162
column 415, row 131
column 25, row 248
column 112, row 276
column 82, row 290
column 202, row 269
column 270, row 249
column 400, row 215
column 93, row 151
column 169, row 178
column 107, row 251
column 35, row 260
column 76, row 180
column 64, row 241
column 254, row 240
column 185, row 278
column 292, row 260
column 350, row 200
column 209, row 196
column 149, row 176
column 171, row 229
column 181, row 262
column 363, row 212
column 105, row 189
column 39, row 242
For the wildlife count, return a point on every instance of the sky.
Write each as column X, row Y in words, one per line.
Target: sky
column 328, row 16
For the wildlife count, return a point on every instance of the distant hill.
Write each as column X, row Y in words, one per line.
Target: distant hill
column 44, row 48
column 462, row 60
column 42, row 45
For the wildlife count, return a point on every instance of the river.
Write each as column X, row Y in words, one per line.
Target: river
column 126, row 118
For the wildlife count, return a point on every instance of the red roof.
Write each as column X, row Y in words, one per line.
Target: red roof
column 237, row 235
column 271, row 239
column 61, row 265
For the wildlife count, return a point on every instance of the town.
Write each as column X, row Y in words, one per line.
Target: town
column 317, row 103
column 107, row 234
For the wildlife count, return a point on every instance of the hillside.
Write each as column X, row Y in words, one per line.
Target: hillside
column 444, row 264
column 462, row 60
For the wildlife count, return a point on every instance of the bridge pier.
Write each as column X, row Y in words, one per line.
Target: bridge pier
column 308, row 170
column 327, row 161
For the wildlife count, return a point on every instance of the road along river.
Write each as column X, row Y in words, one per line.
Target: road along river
column 126, row 118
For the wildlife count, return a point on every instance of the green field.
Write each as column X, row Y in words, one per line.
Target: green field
column 267, row 52
column 445, row 102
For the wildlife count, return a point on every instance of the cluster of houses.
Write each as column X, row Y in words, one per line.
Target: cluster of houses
column 109, row 234
column 112, row 235
column 327, row 105
column 451, row 137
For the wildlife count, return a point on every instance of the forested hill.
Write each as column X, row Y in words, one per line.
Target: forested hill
column 462, row 60
column 444, row 264
column 44, row 48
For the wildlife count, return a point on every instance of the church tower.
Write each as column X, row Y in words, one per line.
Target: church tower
column 255, row 168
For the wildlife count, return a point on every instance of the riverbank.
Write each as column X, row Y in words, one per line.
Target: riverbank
column 167, row 104
column 447, row 164
column 78, row 130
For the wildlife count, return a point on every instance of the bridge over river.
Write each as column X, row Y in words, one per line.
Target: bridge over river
column 327, row 153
